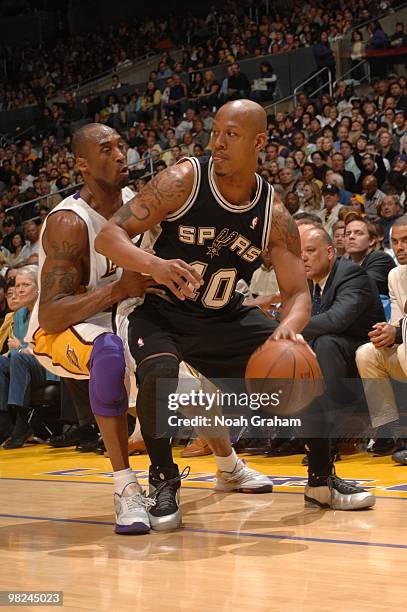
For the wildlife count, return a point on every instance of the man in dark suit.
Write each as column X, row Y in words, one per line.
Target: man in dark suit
column 359, row 245
column 346, row 304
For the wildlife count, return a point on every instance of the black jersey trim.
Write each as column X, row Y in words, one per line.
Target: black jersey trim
column 192, row 196
column 235, row 208
column 268, row 215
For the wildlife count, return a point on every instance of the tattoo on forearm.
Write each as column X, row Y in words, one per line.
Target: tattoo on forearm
column 58, row 280
column 284, row 229
column 162, row 188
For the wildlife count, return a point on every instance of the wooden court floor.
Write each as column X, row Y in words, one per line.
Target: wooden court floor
column 235, row 552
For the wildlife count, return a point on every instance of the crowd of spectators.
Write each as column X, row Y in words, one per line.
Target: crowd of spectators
column 231, row 32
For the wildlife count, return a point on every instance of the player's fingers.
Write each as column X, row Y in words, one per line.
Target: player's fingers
column 173, row 287
column 190, row 274
column 185, row 287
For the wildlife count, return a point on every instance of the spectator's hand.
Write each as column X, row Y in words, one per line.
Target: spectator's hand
column 383, row 335
column 13, row 343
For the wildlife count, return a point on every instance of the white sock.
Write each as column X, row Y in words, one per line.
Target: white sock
column 227, row 464
column 122, row 478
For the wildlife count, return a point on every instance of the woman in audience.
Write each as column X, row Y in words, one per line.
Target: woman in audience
column 20, row 372
column 312, row 199
column 17, row 250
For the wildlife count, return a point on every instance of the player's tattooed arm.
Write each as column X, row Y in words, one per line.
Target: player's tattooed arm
column 165, row 193
column 62, row 302
column 284, row 249
column 284, row 230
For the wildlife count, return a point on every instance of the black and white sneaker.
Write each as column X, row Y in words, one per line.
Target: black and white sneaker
column 165, row 484
column 338, row 494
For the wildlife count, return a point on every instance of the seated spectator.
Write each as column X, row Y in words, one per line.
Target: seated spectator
column 371, row 165
column 338, row 240
column 20, row 371
column 6, row 329
column 151, row 102
column 187, row 123
column 238, row 84
column 187, row 146
column 360, row 239
column 332, row 206
column 31, row 235
column 372, row 196
column 312, row 198
column 389, row 210
column 345, row 306
column 178, row 97
column 334, row 178
column 264, row 87
column 3, row 301
column 200, row 135
column 17, row 255
column 383, row 359
column 338, row 165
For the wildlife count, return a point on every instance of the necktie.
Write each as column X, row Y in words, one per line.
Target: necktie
column 316, row 300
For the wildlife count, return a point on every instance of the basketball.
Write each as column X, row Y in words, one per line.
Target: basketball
column 287, row 368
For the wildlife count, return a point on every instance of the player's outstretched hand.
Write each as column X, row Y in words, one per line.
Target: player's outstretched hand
column 181, row 278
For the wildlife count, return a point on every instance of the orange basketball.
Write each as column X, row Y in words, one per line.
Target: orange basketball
column 287, row 368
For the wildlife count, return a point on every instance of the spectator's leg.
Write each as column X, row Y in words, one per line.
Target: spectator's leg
column 377, row 368
column 25, row 374
column 5, row 418
column 79, row 393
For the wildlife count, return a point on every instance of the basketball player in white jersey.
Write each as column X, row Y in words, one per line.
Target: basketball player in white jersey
column 70, row 328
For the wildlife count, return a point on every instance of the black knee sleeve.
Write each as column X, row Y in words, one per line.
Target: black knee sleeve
column 150, row 402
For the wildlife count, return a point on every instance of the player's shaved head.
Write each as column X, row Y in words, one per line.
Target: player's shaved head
column 246, row 113
column 400, row 221
column 90, row 134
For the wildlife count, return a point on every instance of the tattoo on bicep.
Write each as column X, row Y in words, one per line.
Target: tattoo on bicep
column 65, row 251
column 284, row 229
column 163, row 188
column 58, row 280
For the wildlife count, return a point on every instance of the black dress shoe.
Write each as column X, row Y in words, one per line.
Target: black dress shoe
column 384, row 446
column 17, row 440
column 76, row 434
column 6, row 425
column 91, row 446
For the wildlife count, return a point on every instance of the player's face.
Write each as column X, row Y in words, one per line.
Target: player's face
column 106, row 161
column 233, row 145
column 399, row 243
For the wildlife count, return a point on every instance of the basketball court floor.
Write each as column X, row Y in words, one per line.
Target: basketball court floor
column 235, row 552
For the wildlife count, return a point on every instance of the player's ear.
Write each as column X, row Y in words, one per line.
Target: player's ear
column 81, row 164
column 261, row 141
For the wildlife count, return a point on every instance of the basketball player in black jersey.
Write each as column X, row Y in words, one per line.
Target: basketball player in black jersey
column 214, row 219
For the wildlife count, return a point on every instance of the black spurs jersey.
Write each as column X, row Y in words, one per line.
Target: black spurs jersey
column 222, row 241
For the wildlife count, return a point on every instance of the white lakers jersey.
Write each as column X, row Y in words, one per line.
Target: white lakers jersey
column 101, row 270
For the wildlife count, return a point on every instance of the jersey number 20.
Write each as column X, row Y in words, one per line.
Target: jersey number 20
column 219, row 288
